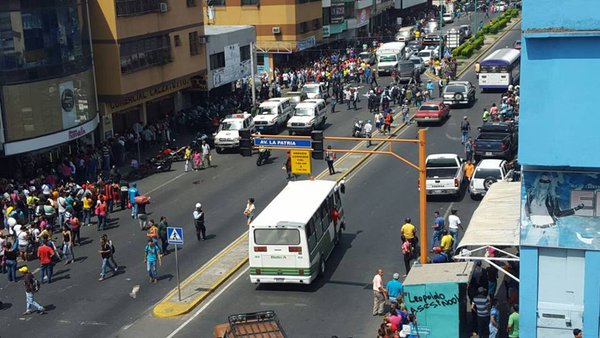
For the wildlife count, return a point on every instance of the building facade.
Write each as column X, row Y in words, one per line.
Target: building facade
column 147, row 53
column 47, row 94
column 560, row 217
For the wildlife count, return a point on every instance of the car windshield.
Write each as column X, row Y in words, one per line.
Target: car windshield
column 231, row 125
column 487, row 172
column 364, row 55
column 310, row 89
column 406, row 67
column 441, row 163
column 429, row 107
column 424, row 53
column 416, row 61
column 387, row 58
column 454, row 89
column 266, row 111
column 304, row 112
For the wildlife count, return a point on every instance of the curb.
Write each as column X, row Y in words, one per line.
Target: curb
column 167, row 308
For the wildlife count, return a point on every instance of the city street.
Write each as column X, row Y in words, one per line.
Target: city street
column 378, row 198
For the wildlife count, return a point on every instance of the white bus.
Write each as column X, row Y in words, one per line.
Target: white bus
column 291, row 239
column 500, row 69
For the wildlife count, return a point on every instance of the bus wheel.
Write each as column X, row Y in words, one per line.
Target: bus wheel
column 322, row 267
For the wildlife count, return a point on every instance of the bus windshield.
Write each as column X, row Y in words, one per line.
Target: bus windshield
column 493, row 69
column 388, row 58
column 276, row 236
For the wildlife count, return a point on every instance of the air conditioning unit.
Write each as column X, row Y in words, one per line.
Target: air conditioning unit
column 164, row 7
column 276, row 30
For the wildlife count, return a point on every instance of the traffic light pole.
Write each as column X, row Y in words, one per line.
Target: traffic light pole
column 423, row 195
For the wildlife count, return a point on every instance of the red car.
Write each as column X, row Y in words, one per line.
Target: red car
column 517, row 45
column 432, row 111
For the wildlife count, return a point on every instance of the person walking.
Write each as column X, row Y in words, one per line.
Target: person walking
column 112, row 252
column 101, row 213
column 87, row 203
column 205, row 155
column 187, row 156
column 199, row 222
column 162, row 234
column 513, row 322
column 405, row 109
column 249, row 211
column 141, row 214
column 333, row 102
column 368, row 132
column 45, row 253
column 494, row 318
column 31, row 286
column 469, row 149
column 133, row 192
column 378, row 294
column 395, row 289
column 408, row 254
column 124, row 187
column 440, row 87
column 388, row 120
column 469, row 170
column 330, row 158
column 453, row 225
column 465, row 128
column 10, row 256
column 67, row 246
column 152, row 256
column 105, row 252
column 481, row 305
column 438, row 227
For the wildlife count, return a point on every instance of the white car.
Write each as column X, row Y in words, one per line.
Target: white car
column 448, row 17
column 228, row 134
column 314, row 91
column 488, row 172
column 426, row 55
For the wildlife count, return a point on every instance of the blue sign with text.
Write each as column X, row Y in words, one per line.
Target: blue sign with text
column 285, row 143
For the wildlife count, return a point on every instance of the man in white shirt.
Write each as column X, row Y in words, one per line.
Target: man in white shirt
column 205, row 155
column 368, row 132
column 453, row 225
column 378, row 294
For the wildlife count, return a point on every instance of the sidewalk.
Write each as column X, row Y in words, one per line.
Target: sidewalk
column 214, row 273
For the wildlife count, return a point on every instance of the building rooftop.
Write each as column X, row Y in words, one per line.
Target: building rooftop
column 224, row 29
column 459, row 272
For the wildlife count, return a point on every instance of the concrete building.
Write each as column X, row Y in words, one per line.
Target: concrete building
column 146, row 52
column 558, row 147
column 47, row 95
column 228, row 53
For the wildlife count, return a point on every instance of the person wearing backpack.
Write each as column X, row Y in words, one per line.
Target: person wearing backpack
column 151, row 257
column 32, row 286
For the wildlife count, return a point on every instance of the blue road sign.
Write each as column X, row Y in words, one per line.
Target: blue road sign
column 278, row 142
column 175, row 235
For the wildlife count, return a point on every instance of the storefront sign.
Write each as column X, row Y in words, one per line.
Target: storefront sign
column 67, row 103
column 150, row 94
column 337, row 13
column 362, row 17
column 306, row 43
column 326, row 33
column 561, row 209
column 300, row 162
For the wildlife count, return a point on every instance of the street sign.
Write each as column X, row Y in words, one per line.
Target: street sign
column 279, row 142
column 175, row 235
column 300, row 161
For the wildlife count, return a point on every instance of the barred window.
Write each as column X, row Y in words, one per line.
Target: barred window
column 194, row 43
column 245, row 53
column 144, row 53
column 137, row 7
column 217, row 61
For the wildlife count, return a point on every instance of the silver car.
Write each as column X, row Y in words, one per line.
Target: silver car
column 418, row 63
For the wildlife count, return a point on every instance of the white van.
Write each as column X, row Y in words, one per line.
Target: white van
column 308, row 116
column 228, row 136
column 405, row 34
column 273, row 114
column 388, row 56
column 314, row 90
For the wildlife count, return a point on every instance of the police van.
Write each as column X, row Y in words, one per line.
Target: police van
column 273, row 114
column 308, row 116
column 228, row 136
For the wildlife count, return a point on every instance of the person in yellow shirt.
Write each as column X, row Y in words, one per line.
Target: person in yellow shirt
column 469, row 170
column 187, row 156
column 408, row 232
column 446, row 243
column 87, row 209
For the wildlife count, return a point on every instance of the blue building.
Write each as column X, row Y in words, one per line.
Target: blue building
column 559, row 142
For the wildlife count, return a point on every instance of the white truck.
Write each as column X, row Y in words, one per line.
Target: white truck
column 488, row 172
column 445, row 174
column 388, row 56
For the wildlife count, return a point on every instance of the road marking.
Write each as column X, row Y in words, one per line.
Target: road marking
column 167, row 182
column 209, row 302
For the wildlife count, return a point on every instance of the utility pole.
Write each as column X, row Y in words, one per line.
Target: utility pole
column 252, row 81
column 440, row 53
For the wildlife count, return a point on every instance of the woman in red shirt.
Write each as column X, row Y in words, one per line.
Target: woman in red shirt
column 101, row 208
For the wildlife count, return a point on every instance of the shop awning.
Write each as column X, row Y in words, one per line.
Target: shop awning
column 496, row 221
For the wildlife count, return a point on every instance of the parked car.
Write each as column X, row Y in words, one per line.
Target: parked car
column 418, row 63
column 448, row 17
column 444, row 174
column 496, row 140
column 426, row 55
column 517, row 45
column 432, row 111
column 459, row 92
column 466, row 31
column 488, row 172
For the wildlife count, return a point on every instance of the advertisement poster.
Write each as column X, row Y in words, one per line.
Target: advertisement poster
column 337, row 13
column 561, row 209
column 67, row 104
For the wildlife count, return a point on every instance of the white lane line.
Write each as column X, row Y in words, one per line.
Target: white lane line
column 167, row 182
column 208, row 303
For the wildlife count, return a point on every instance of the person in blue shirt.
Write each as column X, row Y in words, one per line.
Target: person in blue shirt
column 440, row 256
column 395, row 289
column 438, row 228
column 429, row 87
column 152, row 256
column 133, row 192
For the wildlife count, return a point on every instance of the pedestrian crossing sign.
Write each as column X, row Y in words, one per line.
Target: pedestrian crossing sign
column 175, row 235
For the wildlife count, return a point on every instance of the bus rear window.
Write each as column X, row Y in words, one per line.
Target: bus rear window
column 276, row 237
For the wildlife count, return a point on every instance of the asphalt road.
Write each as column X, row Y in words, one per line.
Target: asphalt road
column 378, row 197
column 80, row 305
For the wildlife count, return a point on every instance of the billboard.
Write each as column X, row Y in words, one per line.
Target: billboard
column 561, row 209
column 337, row 11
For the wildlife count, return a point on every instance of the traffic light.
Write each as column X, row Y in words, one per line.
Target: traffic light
column 245, row 142
column 317, row 144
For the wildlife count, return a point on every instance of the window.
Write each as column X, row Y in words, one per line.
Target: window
column 177, row 40
column 260, row 60
column 349, row 10
column 276, row 236
column 137, row 7
column 146, row 52
column 316, row 221
column 250, row 2
column 245, row 53
column 302, row 27
column 325, row 216
column 194, row 43
column 217, row 61
column 316, row 24
column 216, row 2
column 326, row 15
column 191, row 3
column 311, row 236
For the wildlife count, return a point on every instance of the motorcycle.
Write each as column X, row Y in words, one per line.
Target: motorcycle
column 358, row 129
column 173, row 153
column 263, row 156
column 160, row 164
